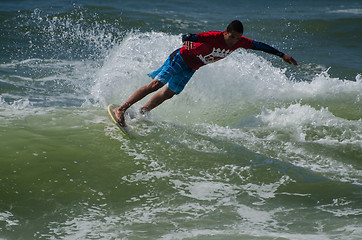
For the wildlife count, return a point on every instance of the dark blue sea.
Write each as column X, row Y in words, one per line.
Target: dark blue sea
column 253, row 148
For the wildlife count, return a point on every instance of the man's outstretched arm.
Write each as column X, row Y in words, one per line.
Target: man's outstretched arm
column 268, row 49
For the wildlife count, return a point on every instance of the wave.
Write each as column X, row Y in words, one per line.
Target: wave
column 240, row 83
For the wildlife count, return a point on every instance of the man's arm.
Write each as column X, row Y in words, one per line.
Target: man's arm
column 188, row 39
column 268, row 49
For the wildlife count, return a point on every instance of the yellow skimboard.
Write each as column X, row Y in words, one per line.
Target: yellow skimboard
column 124, row 130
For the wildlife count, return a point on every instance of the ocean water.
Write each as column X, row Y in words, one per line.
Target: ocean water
column 253, row 148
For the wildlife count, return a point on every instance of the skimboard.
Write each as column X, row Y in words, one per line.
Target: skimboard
column 124, row 130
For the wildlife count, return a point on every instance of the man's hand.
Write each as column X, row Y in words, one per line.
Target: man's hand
column 289, row 60
column 188, row 45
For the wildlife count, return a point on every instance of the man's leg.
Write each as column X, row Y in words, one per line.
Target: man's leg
column 157, row 99
column 138, row 95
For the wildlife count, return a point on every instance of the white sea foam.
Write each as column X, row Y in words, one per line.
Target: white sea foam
column 9, row 219
column 300, row 119
column 355, row 11
column 230, row 85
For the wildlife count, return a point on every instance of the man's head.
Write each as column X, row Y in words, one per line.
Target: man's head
column 233, row 32
column 236, row 26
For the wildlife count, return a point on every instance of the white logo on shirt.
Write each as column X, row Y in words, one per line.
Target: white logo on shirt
column 216, row 53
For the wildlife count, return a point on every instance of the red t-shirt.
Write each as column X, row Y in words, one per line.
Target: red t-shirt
column 211, row 47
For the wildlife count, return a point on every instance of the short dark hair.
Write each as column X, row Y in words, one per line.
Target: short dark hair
column 236, row 26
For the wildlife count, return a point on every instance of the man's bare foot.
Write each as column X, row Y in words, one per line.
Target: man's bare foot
column 119, row 114
column 143, row 110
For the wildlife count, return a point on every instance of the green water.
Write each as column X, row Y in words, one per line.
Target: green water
column 76, row 172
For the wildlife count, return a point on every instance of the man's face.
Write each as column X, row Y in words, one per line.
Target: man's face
column 232, row 37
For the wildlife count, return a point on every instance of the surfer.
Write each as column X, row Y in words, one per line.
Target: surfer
column 198, row 50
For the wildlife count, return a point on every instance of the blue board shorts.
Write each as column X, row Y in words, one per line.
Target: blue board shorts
column 174, row 72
